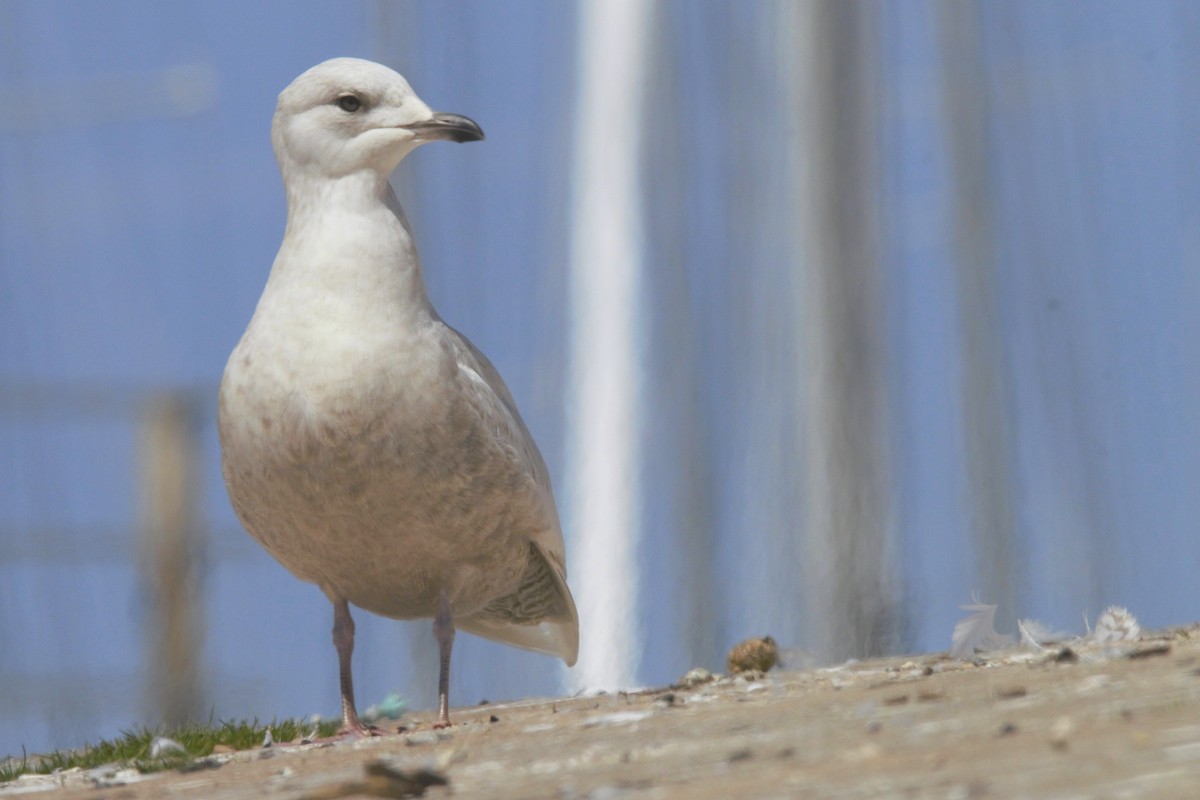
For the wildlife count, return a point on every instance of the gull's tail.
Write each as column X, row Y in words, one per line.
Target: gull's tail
column 540, row 615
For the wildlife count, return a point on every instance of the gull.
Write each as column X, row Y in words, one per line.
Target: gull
column 367, row 445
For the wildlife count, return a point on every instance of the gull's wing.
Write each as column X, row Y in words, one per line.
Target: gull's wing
column 540, row 615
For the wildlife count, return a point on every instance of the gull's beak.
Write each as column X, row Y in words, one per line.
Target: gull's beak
column 454, row 127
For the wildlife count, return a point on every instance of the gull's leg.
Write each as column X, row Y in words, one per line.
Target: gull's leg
column 343, row 640
column 443, row 631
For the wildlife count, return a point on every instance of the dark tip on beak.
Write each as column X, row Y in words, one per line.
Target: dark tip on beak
column 453, row 127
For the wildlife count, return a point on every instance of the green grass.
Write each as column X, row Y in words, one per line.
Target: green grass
column 132, row 748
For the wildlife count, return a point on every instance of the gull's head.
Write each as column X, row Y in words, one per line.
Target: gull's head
column 347, row 115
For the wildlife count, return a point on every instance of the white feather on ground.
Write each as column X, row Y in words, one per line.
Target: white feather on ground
column 1036, row 635
column 1116, row 624
column 977, row 632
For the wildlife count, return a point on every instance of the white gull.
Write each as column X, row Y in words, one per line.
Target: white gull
column 366, row 444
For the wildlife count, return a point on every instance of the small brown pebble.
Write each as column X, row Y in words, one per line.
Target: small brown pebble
column 1008, row 729
column 740, row 755
column 760, row 654
column 895, row 700
column 1011, row 693
column 1066, row 656
column 1147, row 652
column 493, row 718
column 927, row 671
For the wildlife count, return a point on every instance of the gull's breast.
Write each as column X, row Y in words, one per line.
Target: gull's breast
column 367, row 471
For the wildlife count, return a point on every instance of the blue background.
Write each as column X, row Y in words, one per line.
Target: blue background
column 140, row 209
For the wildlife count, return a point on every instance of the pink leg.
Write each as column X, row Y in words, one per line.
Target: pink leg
column 343, row 640
column 443, row 631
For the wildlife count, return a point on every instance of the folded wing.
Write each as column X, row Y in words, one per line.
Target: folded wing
column 540, row 614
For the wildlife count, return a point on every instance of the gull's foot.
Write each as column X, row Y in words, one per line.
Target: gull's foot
column 358, row 730
column 442, row 722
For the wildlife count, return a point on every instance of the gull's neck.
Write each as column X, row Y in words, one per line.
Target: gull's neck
column 348, row 238
column 312, row 195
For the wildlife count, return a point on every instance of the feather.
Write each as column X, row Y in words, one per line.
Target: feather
column 1035, row 635
column 977, row 632
column 1116, row 624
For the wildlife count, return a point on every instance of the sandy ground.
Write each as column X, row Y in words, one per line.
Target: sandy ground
column 1089, row 721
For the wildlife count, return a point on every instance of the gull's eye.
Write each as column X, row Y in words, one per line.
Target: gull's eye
column 349, row 103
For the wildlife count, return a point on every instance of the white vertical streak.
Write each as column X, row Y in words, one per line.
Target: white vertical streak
column 603, row 414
